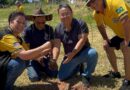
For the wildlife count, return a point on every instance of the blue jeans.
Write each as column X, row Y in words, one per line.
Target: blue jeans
column 88, row 56
column 14, row 69
column 35, row 70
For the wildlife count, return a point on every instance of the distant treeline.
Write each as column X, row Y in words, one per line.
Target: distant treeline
column 11, row 2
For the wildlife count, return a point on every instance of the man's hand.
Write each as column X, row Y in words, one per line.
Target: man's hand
column 41, row 60
column 53, row 65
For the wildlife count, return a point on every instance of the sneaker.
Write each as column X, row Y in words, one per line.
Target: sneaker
column 112, row 74
column 125, row 85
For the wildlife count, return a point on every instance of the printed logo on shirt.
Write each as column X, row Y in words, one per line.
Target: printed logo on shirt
column 70, row 41
column 119, row 10
column 16, row 44
column 46, row 36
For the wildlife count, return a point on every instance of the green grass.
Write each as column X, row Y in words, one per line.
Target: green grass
column 95, row 38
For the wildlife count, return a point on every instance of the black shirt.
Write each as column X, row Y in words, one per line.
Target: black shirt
column 70, row 39
column 36, row 37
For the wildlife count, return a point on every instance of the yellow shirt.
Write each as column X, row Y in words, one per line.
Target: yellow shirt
column 20, row 8
column 10, row 43
column 114, row 11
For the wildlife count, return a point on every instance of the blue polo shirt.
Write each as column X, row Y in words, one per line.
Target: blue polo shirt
column 70, row 39
column 36, row 37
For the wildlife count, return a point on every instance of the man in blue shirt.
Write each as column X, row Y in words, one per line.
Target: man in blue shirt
column 37, row 34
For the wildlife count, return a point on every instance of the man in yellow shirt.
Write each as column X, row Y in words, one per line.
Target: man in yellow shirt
column 116, row 15
column 13, row 53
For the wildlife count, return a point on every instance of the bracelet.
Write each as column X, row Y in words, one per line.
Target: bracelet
column 74, row 51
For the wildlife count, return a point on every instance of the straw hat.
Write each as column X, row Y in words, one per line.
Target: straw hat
column 39, row 13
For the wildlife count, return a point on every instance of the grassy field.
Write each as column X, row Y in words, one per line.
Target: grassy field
column 103, row 66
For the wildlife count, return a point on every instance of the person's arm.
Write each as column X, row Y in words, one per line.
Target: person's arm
column 55, row 54
column 56, row 43
column 100, row 25
column 56, row 49
column 103, row 33
column 34, row 53
column 82, row 39
column 11, row 44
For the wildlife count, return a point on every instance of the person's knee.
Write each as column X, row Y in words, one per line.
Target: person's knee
column 16, row 66
column 64, row 75
column 33, row 77
column 14, row 69
column 33, row 74
column 61, row 77
column 93, row 54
